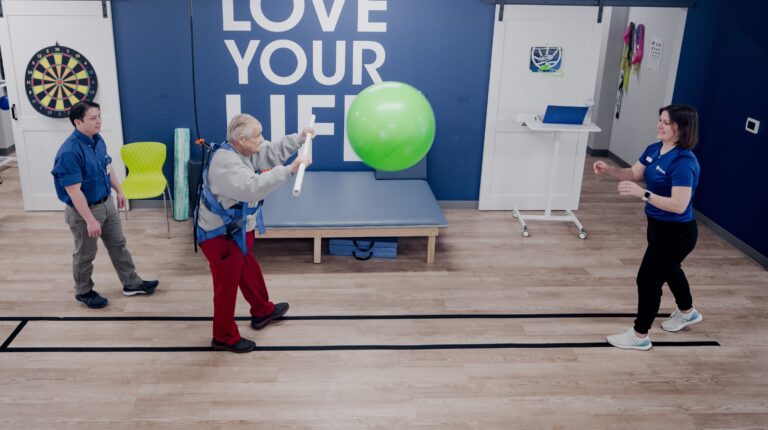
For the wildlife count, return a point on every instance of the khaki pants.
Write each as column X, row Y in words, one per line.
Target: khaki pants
column 85, row 247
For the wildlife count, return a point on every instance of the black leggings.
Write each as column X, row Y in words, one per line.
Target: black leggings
column 668, row 245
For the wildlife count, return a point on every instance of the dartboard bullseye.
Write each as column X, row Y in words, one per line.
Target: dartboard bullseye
column 58, row 77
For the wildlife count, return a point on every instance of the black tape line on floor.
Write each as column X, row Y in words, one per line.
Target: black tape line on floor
column 337, row 317
column 357, row 347
column 13, row 335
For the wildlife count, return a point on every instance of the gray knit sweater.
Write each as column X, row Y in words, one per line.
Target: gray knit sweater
column 233, row 178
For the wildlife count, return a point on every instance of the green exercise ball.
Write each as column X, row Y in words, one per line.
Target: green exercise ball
column 391, row 126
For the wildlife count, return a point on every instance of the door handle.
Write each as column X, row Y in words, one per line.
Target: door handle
column 13, row 112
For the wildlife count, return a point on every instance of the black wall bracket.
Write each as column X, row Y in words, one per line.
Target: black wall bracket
column 600, row 11
column 599, row 3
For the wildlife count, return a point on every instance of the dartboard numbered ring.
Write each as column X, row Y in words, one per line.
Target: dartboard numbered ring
column 57, row 78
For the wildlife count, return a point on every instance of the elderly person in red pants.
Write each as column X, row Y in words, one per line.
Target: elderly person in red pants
column 239, row 175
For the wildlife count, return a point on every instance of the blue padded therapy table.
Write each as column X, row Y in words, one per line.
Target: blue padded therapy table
column 353, row 204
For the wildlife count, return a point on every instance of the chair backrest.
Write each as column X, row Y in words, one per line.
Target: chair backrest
column 143, row 157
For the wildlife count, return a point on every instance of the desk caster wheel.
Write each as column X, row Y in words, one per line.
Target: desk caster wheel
column 582, row 234
column 526, row 233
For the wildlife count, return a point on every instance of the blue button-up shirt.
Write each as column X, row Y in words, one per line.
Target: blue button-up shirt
column 82, row 160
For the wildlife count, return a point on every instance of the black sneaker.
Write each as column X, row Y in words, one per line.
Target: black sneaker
column 241, row 346
column 146, row 287
column 92, row 299
column 260, row 323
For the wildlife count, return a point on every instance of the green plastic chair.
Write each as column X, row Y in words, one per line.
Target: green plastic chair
column 145, row 180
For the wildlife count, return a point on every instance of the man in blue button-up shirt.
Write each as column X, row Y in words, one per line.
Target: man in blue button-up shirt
column 83, row 176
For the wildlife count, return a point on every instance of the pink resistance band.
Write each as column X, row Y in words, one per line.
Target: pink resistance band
column 639, row 42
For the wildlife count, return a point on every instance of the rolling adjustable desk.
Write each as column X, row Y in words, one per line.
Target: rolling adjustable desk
column 534, row 123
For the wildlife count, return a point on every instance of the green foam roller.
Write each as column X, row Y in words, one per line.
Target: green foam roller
column 180, row 174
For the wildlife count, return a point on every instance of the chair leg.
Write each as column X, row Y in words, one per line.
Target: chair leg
column 170, row 195
column 170, row 199
column 126, row 209
column 167, row 221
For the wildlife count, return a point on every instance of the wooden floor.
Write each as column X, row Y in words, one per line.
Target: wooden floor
column 553, row 372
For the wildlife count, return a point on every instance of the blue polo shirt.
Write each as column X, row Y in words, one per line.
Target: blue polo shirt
column 84, row 160
column 676, row 168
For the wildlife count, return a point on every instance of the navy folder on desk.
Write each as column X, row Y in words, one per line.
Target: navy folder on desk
column 564, row 114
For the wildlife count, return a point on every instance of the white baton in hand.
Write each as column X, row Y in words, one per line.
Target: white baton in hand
column 305, row 150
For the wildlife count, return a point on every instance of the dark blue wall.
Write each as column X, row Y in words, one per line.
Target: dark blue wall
column 724, row 54
column 442, row 47
column 152, row 46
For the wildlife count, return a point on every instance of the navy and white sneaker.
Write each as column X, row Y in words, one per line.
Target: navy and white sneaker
column 679, row 320
column 260, row 323
column 92, row 299
column 241, row 346
column 629, row 340
column 146, row 287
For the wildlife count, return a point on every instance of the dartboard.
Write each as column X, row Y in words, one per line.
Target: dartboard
column 57, row 77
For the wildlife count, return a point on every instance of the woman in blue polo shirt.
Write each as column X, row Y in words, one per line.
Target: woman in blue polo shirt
column 671, row 173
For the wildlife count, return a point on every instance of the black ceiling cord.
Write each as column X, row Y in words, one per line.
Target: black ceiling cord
column 198, row 140
column 194, row 82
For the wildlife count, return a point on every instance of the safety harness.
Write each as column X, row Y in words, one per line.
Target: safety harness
column 234, row 218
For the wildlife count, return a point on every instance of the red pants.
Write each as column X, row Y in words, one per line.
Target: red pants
column 230, row 268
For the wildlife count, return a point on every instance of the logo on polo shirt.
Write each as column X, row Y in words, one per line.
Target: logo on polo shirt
column 660, row 170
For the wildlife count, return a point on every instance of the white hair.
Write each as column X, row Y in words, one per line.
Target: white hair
column 241, row 125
